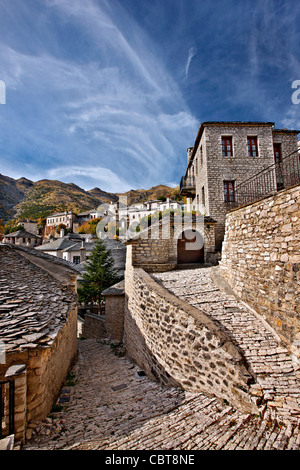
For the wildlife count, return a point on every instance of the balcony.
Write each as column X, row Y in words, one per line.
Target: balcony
column 280, row 175
column 187, row 187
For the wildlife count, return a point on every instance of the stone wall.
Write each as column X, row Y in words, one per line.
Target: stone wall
column 216, row 168
column 211, row 168
column 178, row 344
column 261, row 260
column 46, row 370
column 156, row 248
column 94, row 326
column 114, row 316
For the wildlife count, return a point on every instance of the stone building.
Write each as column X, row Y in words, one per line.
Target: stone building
column 72, row 247
column 23, row 237
column 54, row 220
column 38, row 333
column 175, row 240
column 224, row 155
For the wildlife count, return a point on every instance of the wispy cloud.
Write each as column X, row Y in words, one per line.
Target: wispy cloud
column 116, row 108
column 94, row 176
column 191, row 54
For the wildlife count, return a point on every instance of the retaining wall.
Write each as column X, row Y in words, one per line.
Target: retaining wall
column 261, row 260
column 178, row 344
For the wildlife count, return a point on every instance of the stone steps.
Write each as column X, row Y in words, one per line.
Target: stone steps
column 193, row 426
column 270, row 362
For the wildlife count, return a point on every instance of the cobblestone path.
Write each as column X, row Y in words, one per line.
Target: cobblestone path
column 111, row 407
column 277, row 377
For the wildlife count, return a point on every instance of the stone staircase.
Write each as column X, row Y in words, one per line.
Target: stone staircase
column 276, row 375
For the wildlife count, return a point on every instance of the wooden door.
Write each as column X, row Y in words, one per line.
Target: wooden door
column 190, row 248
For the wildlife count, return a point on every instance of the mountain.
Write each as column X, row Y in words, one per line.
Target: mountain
column 25, row 199
column 141, row 195
column 11, row 193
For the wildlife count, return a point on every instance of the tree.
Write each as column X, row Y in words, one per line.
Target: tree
column 12, row 226
column 99, row 274
column 61, row 227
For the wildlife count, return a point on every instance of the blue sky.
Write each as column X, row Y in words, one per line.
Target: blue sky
column 111, row 93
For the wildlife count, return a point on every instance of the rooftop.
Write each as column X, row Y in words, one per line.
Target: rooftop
column 34, row 305
column 22, row 234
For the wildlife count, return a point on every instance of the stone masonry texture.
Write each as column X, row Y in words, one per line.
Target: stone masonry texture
column 111, row 408
column 261, row 260
column 194, row 351
column 210, row 168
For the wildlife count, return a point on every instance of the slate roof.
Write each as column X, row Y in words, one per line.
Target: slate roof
column 53, row 259
column 21, row 234
column 116, row 289
column 61, row 243
column 34, row 306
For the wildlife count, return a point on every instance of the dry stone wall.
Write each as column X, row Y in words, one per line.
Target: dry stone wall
column 261, row 260
column 176, row 343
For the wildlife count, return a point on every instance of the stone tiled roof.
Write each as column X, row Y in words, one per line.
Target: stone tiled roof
column 21, row 234
column 34, row 305
column 60, row 243
column 116, row 289
column 44, row 256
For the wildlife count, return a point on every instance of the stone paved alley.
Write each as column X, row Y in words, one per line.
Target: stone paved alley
column 111, row 407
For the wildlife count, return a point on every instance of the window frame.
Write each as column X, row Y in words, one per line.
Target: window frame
column 277, row 144
column 228, row 196
column 224, row 139
column 250, row 146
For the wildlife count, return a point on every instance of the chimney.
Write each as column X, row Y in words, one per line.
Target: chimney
column 82, row 253
column 62, row 233
column 189, row 154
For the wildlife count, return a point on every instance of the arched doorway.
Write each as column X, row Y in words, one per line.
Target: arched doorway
column 190, row 247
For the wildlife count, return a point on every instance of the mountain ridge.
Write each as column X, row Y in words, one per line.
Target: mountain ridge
column 25, row 199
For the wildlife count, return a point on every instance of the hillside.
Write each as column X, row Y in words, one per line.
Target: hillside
column 141, row 195
column 25, row 199
column 12, row 192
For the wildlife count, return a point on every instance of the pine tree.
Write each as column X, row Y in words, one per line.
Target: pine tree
column 99, row 274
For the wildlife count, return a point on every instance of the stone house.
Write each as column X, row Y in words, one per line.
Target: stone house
column 224, row 155
column 138, row 211
column 38, row 333
column 76, row 249
column 174, row 240
column 72, row 247
column 54, row 220
column 30, row 226
column 23, row 237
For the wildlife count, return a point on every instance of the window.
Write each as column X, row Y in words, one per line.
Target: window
column 277, row 153
column 201, row 155
column 252, row 147
column 227, row 146
column 76, row 259
column 203, row 195
column 229, row 195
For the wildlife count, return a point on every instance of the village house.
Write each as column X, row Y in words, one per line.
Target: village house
column 226, row 154
column 71, row 247
column 76, row 249
column 29, row 226
column 131, row 215
column 54, row 220
column 38, row 334
column 23, row 237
